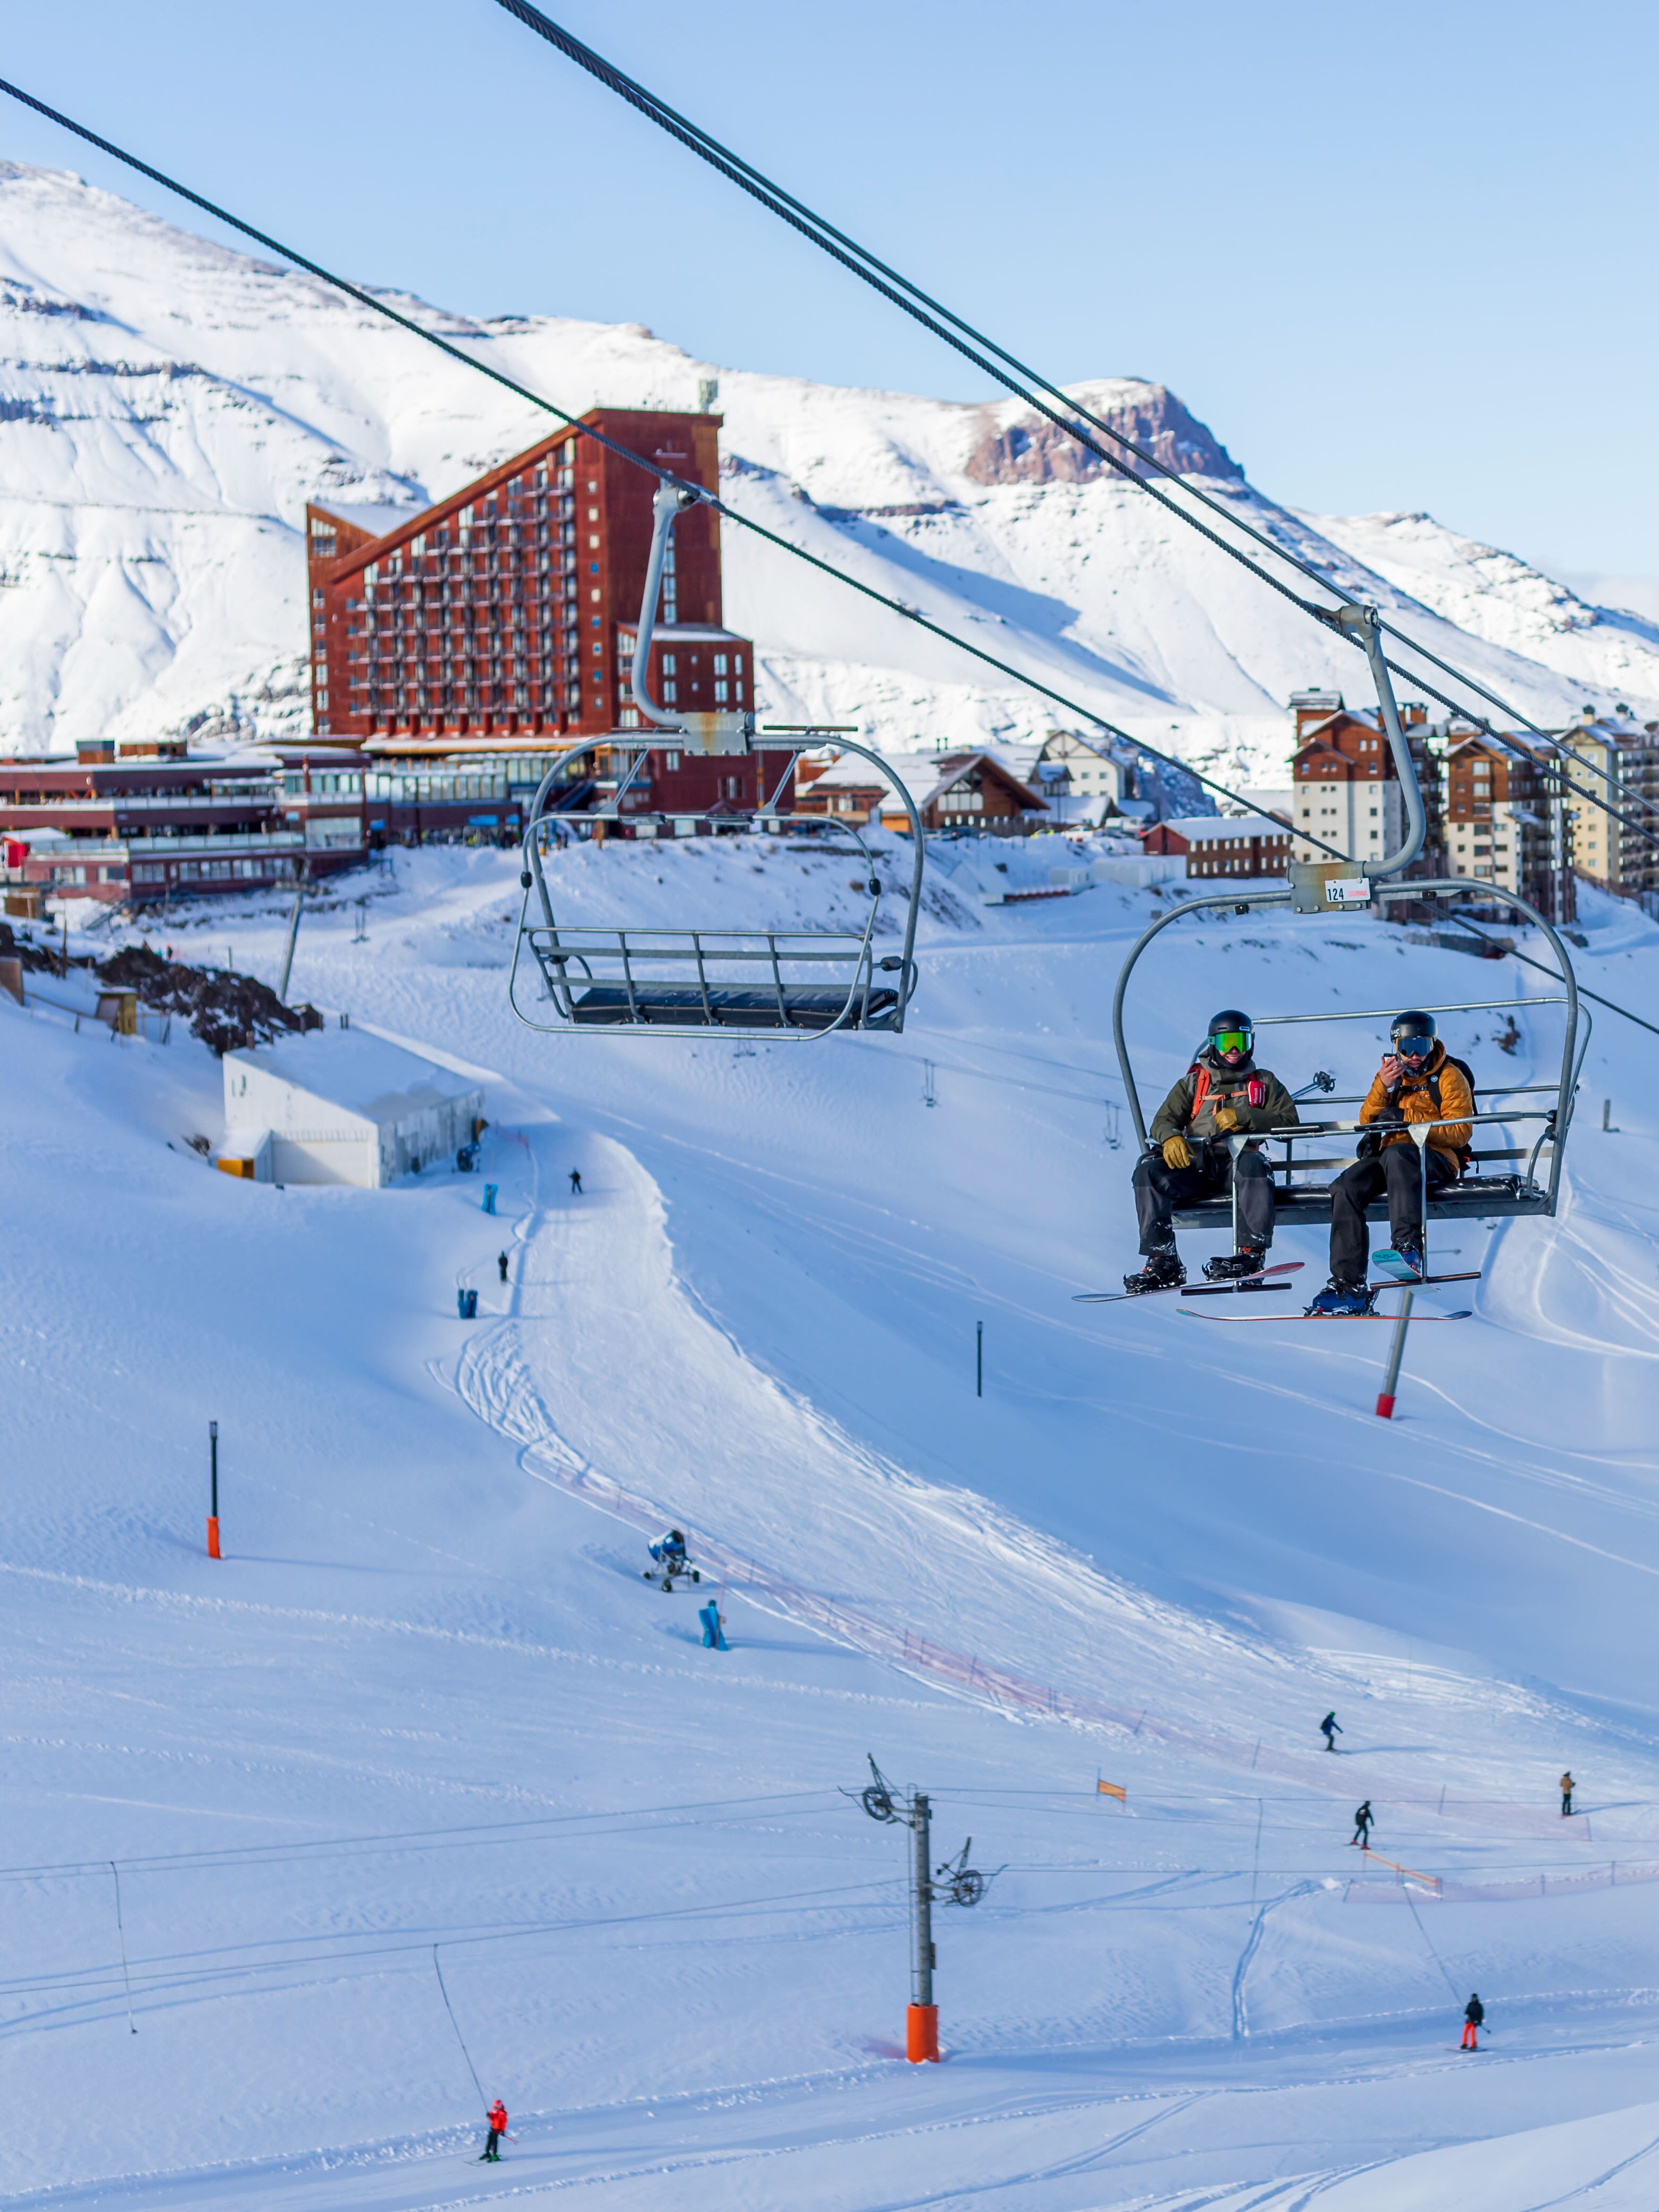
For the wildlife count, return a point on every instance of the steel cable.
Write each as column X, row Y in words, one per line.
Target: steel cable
column 986, row 353
column 391, row 314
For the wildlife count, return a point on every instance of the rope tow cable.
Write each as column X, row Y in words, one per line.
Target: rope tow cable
column 623, row 452
column 985, row 354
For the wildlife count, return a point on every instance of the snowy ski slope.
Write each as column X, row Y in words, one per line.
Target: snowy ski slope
column 167, row 407
column 426, row 1699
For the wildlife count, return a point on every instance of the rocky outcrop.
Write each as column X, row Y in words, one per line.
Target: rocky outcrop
column 1033, row 450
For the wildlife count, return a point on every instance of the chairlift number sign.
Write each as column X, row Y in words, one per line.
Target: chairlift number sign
column 1347, row 890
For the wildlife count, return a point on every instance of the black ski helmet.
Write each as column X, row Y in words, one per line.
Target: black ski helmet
column 1231, row 1017
column 1414, row 1023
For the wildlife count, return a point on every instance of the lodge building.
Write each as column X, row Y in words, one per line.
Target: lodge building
column 511, row 607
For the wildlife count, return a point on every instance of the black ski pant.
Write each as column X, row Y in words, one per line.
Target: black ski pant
column 1395, row 1169
column 1566, row 1802
column 1159, row 1189
column 490, row 2149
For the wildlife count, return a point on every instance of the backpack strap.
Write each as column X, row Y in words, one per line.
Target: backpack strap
column 1465, row 1152
column 1200, row 1092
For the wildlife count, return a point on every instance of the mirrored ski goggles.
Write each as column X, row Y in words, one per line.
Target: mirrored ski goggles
column 1414, row 1048
column 1234, row 1040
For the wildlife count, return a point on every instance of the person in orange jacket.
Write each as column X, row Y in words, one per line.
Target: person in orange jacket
column 496, row 2117
column 1416, row 1082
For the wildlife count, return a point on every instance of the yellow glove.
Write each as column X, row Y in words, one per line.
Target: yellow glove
column 1226, row 1119
column 1176, row 1154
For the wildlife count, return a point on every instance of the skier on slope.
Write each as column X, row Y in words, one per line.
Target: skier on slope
column 496, row 2118
column 575, row 1182
column 1566, row 1794
column 1362, row 1826
column 1222, row 1094
column 1473, row 2013
column 1416, row 1082
column 501, row 1262
column 1329, row 1730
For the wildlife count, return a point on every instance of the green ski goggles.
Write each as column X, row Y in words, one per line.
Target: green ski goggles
column 1234, row 1040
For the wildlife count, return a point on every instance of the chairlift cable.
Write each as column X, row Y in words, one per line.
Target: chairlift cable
column 1513, row 744
column 1527, row 961
column 985, row 354
column 382, row 307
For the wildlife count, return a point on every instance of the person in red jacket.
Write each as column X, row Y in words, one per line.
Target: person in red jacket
column 497, row 2119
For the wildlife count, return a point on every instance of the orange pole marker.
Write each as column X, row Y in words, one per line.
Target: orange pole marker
column 922, row 2033
column 213, row 1537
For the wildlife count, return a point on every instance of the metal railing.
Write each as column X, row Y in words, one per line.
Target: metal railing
column 632, row 958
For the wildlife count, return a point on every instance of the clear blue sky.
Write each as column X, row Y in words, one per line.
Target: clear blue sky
column 1396, row 257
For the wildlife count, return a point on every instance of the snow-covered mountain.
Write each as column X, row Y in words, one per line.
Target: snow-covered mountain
column 168, row 406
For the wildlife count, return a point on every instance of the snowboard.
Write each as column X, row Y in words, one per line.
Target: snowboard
column 1262, row 1280
column 1395, row 1269
column 1423, row 1282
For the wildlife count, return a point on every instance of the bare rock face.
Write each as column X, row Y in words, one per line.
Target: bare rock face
column 1033, row 450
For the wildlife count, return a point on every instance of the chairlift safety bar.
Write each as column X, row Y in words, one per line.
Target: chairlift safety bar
column 1556, row 1122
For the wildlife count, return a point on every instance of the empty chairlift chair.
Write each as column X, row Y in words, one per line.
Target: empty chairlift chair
column 766, row 982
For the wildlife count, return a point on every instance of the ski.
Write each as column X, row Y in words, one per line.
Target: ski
column 1262, row 1281
column 1465, row 1313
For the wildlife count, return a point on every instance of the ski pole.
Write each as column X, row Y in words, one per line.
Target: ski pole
column 1396, row 1352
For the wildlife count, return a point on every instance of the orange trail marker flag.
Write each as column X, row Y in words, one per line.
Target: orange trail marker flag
column 1103, row 1789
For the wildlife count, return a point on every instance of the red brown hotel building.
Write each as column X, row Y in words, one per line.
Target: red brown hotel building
column 500, row 622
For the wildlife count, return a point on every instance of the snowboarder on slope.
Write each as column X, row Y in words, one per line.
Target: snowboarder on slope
column 576, row 1182
column 496, row 2118
column 1187, row 1157
column 1416, row 1082
column 1329, row 1730
column 1566, row 1795
column 1362, row 1826
column 501, row 1262
column 1473, row 2013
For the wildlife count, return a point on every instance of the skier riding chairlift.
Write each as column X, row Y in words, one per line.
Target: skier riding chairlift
column 1198, row 1147
column 1416, row 1122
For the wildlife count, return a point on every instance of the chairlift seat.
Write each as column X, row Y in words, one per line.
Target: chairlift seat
column 1473, row 1198
column 671, row 1005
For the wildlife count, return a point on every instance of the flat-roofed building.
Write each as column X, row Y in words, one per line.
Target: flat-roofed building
column 342, row 1106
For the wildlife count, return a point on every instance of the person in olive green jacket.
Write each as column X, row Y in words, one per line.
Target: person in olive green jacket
column 1224, row 1093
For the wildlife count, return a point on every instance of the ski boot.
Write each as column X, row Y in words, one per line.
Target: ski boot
column 1163, row 1272
column 1249, row 1259
column 1341, row 1302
